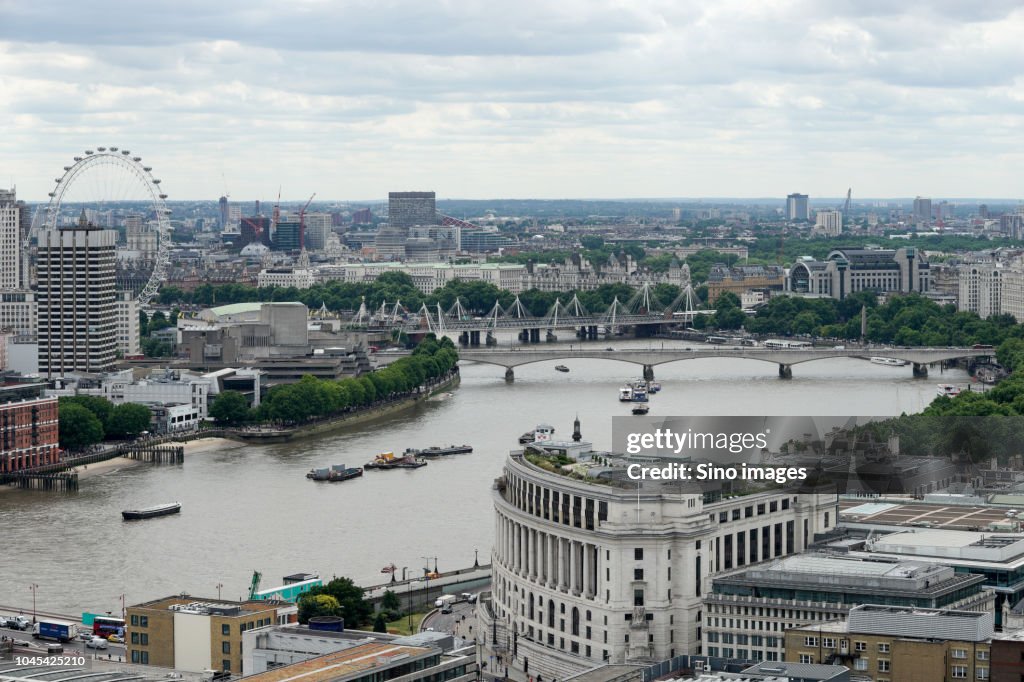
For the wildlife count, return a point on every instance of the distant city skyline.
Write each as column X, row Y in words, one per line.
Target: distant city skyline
column 530, row 100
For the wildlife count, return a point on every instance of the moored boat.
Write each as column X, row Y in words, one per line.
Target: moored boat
column 388, row 460
column 641, row 409
column 949, row 390
column 151, row 512
column 626, row 394
column 434, row 451
column 891, row 362
column 561, row 368
column 653, row 386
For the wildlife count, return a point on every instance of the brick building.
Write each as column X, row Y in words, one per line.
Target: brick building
column 28, row 428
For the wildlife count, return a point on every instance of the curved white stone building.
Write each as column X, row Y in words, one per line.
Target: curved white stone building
column 588, row 568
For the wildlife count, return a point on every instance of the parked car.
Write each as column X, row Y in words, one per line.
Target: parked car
column 96, row 643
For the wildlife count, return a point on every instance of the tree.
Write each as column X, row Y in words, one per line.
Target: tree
column 379, row 625
column 230, row 407
column 354, row 608
column 78, row 427
column 313, row 604
column 128, row 420
column 101, row 407
column 390, row 602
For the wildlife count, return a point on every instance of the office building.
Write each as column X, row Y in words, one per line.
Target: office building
column 580, row 579
column 223, row 217
column 19, row 312
column 829, row 223
column 798, row 207
column 287, row 234
column 193, row 634
column 77, row 303
column 317, row 227
column 389, row 243
column 409, row 209
column 900, row 644
column 28, row 428
column 748, row 612
column 922, row 211
column 981, row 287
column 10, row 240
column 847, row 271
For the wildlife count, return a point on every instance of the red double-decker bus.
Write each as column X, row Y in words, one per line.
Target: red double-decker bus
column 104, row 626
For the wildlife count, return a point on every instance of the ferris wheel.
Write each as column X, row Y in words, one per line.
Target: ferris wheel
column 112, row 182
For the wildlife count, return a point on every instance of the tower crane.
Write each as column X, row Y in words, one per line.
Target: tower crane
column 302, row 223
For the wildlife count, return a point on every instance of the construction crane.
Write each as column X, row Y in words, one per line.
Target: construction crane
column 302, row 223
column 255, row 586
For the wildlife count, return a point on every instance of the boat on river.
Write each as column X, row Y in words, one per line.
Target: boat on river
column 891, row 362
column 626, row 394
column 641, row 409
column 151, row 512
column 561, row 368
column 337, row 472
column 388, row 460
column 435, row 451
column 949, row 390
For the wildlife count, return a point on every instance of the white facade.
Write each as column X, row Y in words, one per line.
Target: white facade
column 77, row 307
column 192, row 642
column 830, row 223
column 300, row 278
column 586, row 573
column 10, row 240
column 127, row 325
column 981, row 288
column 19, row 312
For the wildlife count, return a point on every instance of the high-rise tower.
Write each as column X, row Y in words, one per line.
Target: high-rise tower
column 77, row 306
column 10, row 240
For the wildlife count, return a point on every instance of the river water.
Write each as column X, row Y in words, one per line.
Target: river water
column 247, row 508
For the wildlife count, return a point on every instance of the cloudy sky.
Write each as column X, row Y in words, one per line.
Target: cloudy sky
column 524, row 98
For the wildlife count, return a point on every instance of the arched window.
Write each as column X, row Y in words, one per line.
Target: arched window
column 551, row 614
column 575, row 621
column 531, row 607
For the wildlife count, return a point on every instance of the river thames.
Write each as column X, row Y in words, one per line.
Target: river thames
column 247, row 508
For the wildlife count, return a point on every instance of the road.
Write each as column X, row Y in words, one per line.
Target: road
column 37, row 647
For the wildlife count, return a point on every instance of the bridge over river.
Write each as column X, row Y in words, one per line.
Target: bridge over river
column 785, row 358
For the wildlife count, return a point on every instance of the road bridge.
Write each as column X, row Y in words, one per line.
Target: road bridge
column 785, row 358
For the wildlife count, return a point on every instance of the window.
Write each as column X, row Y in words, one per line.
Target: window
column 860, row 664
column 144, row 657
column 748, row 512
column 638, row 554
column 810, row 641
column 959, row 653
column 225, row 647
column 225, row 629
column 144, row 639
column 638, row 597
column 638, row 574
column 982, row 655
column 883, row 665
column 135, row 656
column 735, row 514
column 806, row 658
column 135, row 621
column 959, row 672
column 828, row 642
column 144, row 621
column 883, row 647
column 225, row 665
column 860, row 646
column 982, row 673
column 135, row 638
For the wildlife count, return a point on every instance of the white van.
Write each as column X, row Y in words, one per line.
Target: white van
column 445, row 603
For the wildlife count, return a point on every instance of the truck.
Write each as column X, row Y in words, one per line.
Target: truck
column 445, row 603
column 59, row 630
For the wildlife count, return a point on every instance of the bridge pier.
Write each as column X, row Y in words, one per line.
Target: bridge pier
column 785, row 371
column 524, row 336
column 920, row 371
column 550, row 336
column 648, row 372
column 474, row 338
column 592, row 332
column 464, row 339
column 510, row 376
column 490, row 340
column 535, row 336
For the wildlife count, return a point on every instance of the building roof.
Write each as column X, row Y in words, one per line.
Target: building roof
column 807, row 671
column 236, row 308
column 341, row 664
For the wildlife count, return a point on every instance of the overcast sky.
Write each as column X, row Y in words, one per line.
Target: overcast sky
column 491, row 99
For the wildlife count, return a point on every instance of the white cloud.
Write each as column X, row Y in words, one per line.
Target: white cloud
column 475, row 98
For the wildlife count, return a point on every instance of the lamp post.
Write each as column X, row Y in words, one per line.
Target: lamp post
column 476, row 558
column 408, row 598
column 219, row 587
column 33, row 587
column 123, row 611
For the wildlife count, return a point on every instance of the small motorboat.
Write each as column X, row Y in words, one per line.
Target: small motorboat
column 561, row 368
column 641, row 409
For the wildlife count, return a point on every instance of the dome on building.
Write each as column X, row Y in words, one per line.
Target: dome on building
column 254, row 249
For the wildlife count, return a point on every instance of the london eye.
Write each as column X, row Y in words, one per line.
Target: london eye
column 113, row 187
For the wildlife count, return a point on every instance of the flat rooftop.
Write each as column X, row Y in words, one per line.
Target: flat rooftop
column 341, row 664
column 920, row 514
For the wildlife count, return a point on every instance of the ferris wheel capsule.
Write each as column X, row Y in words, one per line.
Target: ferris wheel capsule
column 89, row 152
column 113, row 149
column 147, row 168
column 67, row 168
column 78, row 158
column 164, row 196
column 101, row 149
